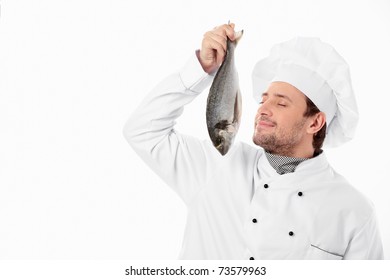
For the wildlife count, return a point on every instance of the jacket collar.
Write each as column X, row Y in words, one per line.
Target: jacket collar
column 305, row 170
column 283, row 164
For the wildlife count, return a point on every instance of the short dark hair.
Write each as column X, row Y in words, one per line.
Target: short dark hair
column 319, row 137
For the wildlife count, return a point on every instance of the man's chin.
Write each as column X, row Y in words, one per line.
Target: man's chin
column 257, row 141
column 264, row 140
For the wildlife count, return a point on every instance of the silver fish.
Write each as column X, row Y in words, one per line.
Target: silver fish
column 223, row 112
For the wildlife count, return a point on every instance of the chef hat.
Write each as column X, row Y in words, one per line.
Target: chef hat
column 316, row 69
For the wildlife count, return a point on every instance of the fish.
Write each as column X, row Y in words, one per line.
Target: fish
column 224, row 103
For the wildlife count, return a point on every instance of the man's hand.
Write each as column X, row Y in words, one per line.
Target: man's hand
column 213, row 49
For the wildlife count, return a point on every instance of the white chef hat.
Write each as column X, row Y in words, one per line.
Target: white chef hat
column 316, row 69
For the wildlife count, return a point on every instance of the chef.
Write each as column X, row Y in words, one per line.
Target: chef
column 281, row 200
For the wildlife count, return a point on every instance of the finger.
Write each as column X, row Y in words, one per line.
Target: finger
column 218, row 48
column 225, row 30
column 217, row 38
column 216, row 45
column 230, row 32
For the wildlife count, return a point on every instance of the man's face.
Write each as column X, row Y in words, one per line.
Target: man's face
column 280, row 125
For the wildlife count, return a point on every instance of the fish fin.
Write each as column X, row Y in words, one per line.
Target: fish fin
column 237, row 108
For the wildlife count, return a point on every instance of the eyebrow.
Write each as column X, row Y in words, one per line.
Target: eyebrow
column 278, row 95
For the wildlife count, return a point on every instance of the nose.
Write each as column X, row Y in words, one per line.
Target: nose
column 264, row 109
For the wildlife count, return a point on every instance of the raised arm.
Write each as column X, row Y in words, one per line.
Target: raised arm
column 181, row 161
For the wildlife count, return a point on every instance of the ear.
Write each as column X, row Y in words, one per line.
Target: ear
column 316, row 123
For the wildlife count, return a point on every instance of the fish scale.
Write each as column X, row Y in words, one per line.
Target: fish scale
column 223, row 111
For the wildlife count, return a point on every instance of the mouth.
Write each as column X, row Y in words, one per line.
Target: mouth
column 265, row 124
column 222, row 150
column 221, row 146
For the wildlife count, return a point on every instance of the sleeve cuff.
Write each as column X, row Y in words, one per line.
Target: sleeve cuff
column 193, row 77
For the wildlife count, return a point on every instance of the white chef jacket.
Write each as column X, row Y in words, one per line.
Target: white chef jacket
column 239, row 207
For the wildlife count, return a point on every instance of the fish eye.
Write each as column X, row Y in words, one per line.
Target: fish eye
column 219, row 140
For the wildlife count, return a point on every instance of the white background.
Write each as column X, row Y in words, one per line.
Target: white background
column 72, row 71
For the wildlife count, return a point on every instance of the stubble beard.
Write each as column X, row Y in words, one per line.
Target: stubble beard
column 280, row 142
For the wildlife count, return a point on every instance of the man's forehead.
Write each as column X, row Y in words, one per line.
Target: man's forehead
column 277, row 94
column 283, row 90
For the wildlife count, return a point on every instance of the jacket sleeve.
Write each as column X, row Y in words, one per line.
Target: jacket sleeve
column 367, row 243
column 178, row 159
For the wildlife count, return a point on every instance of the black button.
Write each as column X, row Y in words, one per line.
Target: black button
column 300, row 193
column 254, row 221
column 266, row 186
column 251, row 258
column 291, row 233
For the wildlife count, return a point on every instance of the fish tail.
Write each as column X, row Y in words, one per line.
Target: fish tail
column 238, row 36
